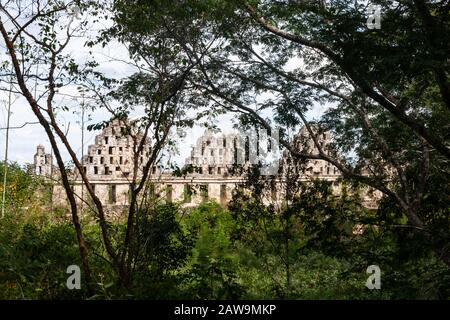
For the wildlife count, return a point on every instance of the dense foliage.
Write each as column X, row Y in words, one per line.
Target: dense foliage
column 305, row 250
column 385, row 95
column 385, row 92
column 21, row 188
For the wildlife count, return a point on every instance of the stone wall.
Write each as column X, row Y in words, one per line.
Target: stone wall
column 109, row 165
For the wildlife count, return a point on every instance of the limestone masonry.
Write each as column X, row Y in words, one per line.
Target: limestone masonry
column 108, row 165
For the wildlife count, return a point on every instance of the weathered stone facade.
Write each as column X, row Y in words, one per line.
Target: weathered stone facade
column 108, row 165
column 110, row 158
column 316, row 167
column 212, row 154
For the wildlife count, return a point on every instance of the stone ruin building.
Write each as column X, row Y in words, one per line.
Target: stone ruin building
column 108, row 165
column 43, row 162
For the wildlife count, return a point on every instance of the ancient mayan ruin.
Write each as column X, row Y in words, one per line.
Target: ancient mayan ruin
column 108, row 165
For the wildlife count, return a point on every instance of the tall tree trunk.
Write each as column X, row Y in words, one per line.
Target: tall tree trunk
column 70, row 195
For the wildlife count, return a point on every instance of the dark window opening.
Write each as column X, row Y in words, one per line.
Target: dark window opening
column 257, row 146
column 112, row 194
column 169, row 193
column 106, row 140
column 223, row 194
column 151, row 190
column 247, row 149
column 95, row 170
column 187, row 193
column 111, row 150
column 235, row 156
column 204, row 192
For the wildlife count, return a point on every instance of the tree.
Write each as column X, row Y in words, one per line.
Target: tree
column 285, row 215
column 20, row 186
column 159, row 89
column 163, row 249
column 36, row 36
column 387, row 90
